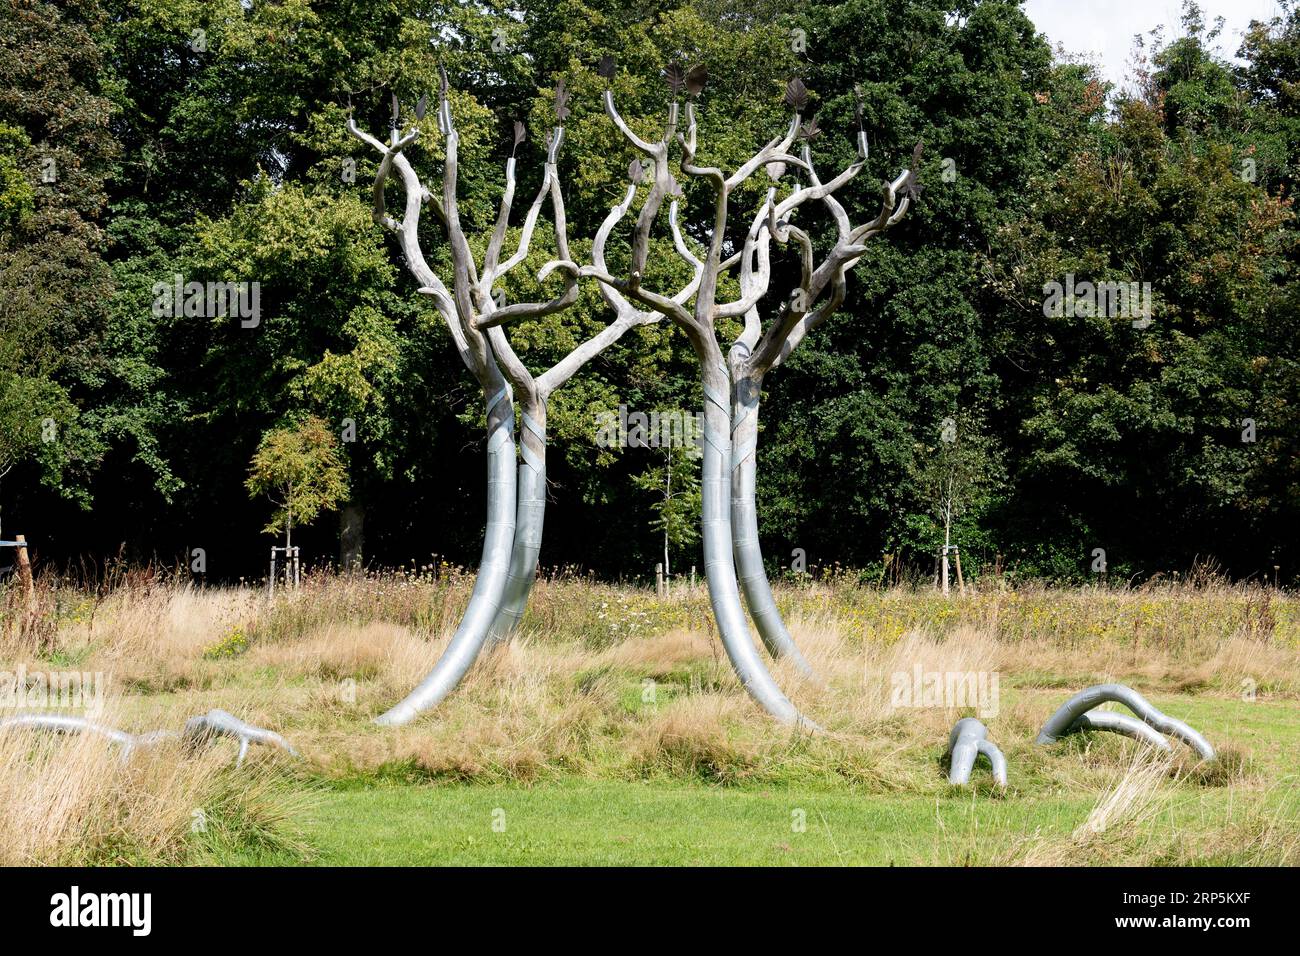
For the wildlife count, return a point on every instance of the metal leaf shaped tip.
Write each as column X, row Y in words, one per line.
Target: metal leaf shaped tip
column 606, row 67
column 775, row 171
column 422, row 107
column 561, row 101
column 443, row 85
column 635, row 171
column 696, row 77
column 397, row 112
column 857, row 106
column 810, row 130
column 520, row 132
column 912, row 187
column 796, row 95
column 675, row 77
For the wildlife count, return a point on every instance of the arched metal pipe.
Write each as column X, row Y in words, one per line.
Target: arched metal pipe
column 494, row 569
column 198, row 730
column 220, row 723
column 1062, row 722
column 744, row 529
column 968, row 739
column 1120, row 724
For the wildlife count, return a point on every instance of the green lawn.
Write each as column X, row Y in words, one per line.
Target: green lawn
column 374, row 821
column 658, row 824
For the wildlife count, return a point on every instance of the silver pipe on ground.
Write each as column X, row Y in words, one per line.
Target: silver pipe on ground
column 1120, row 724
column 969, row 739
column 198, row 730
column 221, row 723
column 494, row 569
column 1064, row 720
column 744, row 528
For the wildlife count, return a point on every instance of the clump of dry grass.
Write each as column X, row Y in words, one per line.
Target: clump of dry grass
column 74, row 800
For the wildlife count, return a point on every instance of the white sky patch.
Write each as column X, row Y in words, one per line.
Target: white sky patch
column 1103, row 30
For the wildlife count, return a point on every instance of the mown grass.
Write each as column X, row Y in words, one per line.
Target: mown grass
column 611, row 730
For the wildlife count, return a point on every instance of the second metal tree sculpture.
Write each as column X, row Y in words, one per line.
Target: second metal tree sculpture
column 699, row 325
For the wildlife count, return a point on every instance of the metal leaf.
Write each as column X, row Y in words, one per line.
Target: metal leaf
column 696, row 77
column 635, row 171
column 810, row 130
column 912, row 188
column 857, row 105
column 675, row 77
column 796, row 95
column 606, row 67
column 561, row 101
column 443, row 85
column 775, row 171
column 422, row 107
column 520, row 132
column 397, row 110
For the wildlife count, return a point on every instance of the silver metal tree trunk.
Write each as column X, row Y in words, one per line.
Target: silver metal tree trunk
column 530, row 513
column 744, row 526
column 719, row 566
column 493, row 572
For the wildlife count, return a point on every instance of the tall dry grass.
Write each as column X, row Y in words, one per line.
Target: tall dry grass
column 605, row 680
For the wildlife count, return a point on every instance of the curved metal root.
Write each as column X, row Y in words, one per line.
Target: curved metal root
column 1074, row 715
column 220, row 723
column 969, row 739
column 1121, row 724
column 198, row 730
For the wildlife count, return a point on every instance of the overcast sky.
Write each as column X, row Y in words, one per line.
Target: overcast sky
column 1104, row 29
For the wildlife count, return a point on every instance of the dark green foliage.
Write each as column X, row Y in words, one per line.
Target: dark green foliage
column 207, row 139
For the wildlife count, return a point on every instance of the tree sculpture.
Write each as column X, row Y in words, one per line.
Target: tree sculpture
column 516, row 502
column 755, row 353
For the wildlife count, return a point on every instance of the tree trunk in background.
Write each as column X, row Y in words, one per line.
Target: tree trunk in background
column 352, row 521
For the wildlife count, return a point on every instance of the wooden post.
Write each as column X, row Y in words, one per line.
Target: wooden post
column 659, row 580
column 956, row 554
column 270, row 581
column 25, row 575
column 692, row 577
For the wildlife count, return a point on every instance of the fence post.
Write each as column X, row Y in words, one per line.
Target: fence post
column 270, row 581
column 659, row 580
column 25, row 575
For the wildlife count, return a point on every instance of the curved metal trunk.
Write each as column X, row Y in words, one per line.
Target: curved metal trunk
column 530, row 513
column 494, row 569
column 744, row 527
column 719, row 566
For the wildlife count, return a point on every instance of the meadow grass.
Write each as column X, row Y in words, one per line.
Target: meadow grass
column 612, row 730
